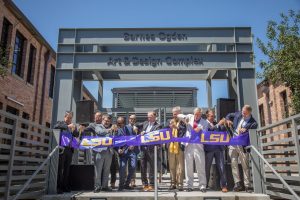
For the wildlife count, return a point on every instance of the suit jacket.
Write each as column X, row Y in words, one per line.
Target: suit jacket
column 101, row 131
column 215, row 147
column 143, row 127
column 63, row 126
column 127, row 131
column 236, row 118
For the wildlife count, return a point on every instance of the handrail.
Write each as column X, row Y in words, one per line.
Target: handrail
column 281, row 122
column 274, row 171
column 35, row 173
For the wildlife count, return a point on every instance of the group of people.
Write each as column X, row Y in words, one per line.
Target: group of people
column 181, row 156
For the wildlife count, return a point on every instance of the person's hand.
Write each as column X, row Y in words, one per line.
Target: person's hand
column 173, row 126
column 81, row 128
column 198, row 129
column 222, row 122
column 242, row 130
column 143, row 133
column 131, row 147
column 120, row 151
column 229, row 123
column 114, row 127
column 72, row 127
column 135, row 129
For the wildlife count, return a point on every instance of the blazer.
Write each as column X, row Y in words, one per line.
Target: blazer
column 143, row 127
column 236, row 118
column 214, row 147
column 63, row 126
column 127, row 131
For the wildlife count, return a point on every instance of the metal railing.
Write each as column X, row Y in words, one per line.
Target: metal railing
column 24, row 146
column 278, row 147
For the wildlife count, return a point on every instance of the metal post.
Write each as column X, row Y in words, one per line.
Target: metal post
column 11, row 160
column 53, row 164
column 155, row 174
column 296, row 140
column 257, row 173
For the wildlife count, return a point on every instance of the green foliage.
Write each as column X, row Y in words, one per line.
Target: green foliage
column 283, row 52
column 4, row 63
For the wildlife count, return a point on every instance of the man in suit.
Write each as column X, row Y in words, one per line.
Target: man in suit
column 241, row 122
column 148, row 151
column 195, row 151
column 103, row 155
column 215, row 151
column 127, row 154
column 65, row 158
column 131, row 123
column 176, row 150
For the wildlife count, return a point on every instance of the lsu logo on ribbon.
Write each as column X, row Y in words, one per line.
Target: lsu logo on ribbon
column 214, row 137
column 156, row 136
column 98, row 141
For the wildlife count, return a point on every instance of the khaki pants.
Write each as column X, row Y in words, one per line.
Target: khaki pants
column 176, row 165
column 237, row 153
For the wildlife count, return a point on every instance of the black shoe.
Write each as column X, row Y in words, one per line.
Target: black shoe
column 59, row 191
column 180, row 188
column 108, row 189
column 248, row 190
column 120, row 189
column 127, row 187
column 189, row 190
column 172, row 187
column 97, row 189
column 67, row 190
column 237, row 187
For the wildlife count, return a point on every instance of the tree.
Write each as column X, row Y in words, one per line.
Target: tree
column 283, row 52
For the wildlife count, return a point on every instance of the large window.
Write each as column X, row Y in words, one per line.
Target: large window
column 51, row 81
column 5, row 39
column 262, row 115
column 19, row 54
column 284, row 104
column 31, row 64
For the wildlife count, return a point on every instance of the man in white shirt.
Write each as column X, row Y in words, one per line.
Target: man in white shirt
column 195, row 151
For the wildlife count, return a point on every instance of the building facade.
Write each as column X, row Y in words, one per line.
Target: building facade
column 273, row 102
column 27, row 90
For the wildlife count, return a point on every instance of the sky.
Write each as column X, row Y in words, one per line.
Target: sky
column 48, row 16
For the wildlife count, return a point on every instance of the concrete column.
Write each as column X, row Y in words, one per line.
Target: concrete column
column 100, row 94
column 209, row 93
column 232, row 87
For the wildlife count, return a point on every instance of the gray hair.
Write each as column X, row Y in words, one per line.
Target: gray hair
column 176, row 109
column 197, row 110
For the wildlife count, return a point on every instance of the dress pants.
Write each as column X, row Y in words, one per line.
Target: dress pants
column 195, row 152
column 176, row 166
column 64, row 163
column 148, row 157
column 237, row 153
column 114, row 167
column 102, row 162
column 220, row 164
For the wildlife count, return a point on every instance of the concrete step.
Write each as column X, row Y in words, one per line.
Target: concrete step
column 164, row 195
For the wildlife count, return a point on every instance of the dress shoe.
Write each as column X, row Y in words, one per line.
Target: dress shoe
column 145, row 188
column 107, row 189
column 150, row 188
column 224, row 189
column 127, row 187
column 237, row 187
column 248, row 189
column 172, row 187
column 189, row 190
column 113, row 185
column 59, row 191
column 203, row 189
column 97, row 189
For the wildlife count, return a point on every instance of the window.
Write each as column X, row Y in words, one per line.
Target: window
column 221, row 47
column 5, row 40
column 31, row 64
column 51, row 81
column 284, row 104
column 230, row 47
column 262, row 115
column 19, row 54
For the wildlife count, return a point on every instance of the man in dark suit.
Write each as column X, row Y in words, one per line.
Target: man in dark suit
column 65, row 158
column 241, row 122
column 148, row 151
column 215, row 151
column 126, row 154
